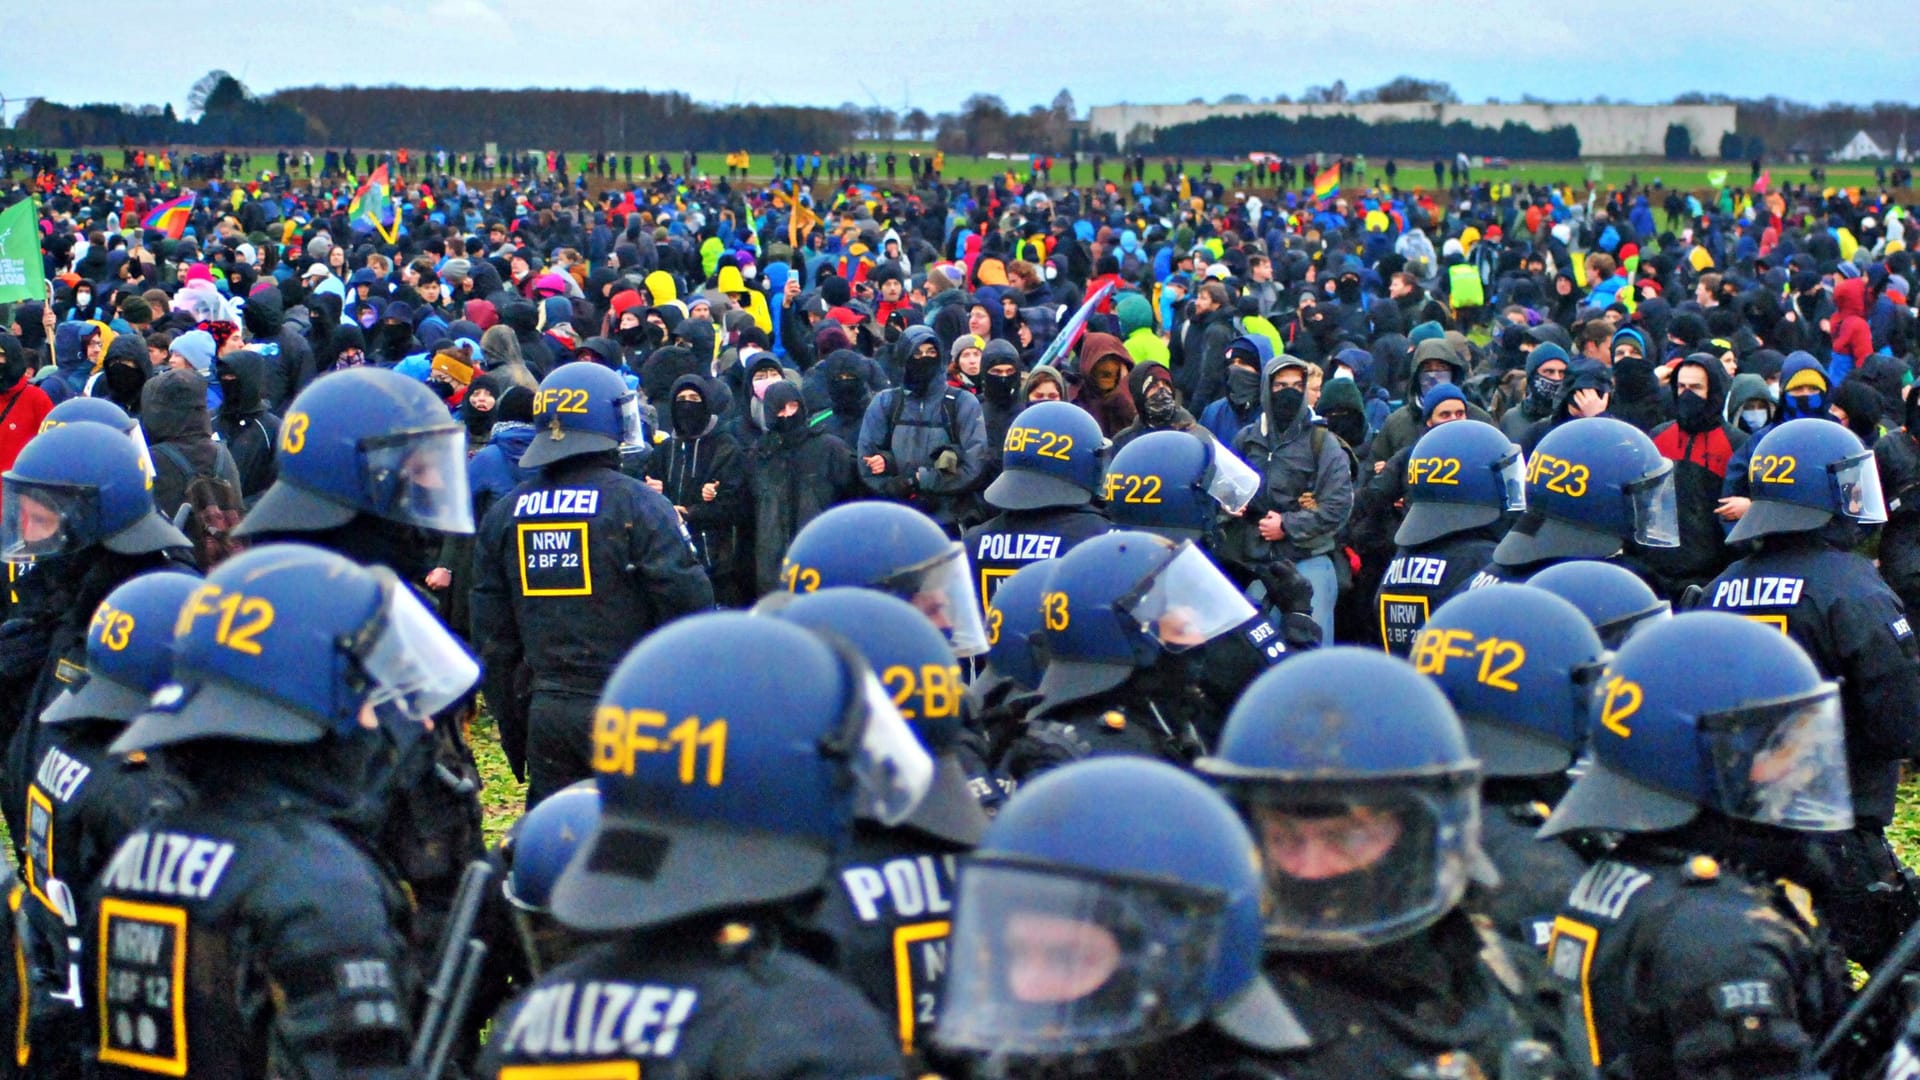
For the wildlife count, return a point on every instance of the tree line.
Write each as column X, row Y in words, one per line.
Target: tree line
column 1224, row 136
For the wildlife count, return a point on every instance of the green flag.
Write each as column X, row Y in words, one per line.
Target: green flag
column 1717, row 177
column 21, row 274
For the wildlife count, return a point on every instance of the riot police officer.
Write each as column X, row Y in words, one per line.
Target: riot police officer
column 1356, row 778
column 101, row 411
column 1462, row 483
column 1614, row 599
column 773, row 739
column 1519, row 666
column 1594, row 486
column 245, row 933
column 1119, row 617
column 1050, row 472
column 575, row 567
column 371, row 466
column 1110, row 925
column 1678, row 952
column 78, row 509
column 82, row 801
column 897, row 550
column 891, row 900
column 1814, row 487
column 536, row 852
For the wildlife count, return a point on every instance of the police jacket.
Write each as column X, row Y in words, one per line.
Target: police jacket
column 246, row 930
column 1673, row 965
column 1000, row 546
column 573, row 568
column 1535, row 875
column 1419, row 579
column 1835, row 605
column 693, row 1004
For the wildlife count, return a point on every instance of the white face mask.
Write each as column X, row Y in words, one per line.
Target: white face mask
column 1343, row 373
column 1753, row 419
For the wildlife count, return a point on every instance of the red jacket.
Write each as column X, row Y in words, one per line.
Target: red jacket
column 22, row 409
column 1851, row 334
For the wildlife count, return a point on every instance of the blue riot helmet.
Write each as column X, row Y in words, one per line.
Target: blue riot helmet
column 1112, row 904
column 895, row 549
column 536, row 851
column 1460, row 477
column 1355, row 774
column 583, row 408
column 101, row 411
column 735, row 785
column 366, row 440
column 1805, row 473
column 1175, row 483
column 76, row 486
column 1118, row 602
column 129, row 650
column 1519, row 666
column 290, row 644
column 918, row 669
column 1013, row 627
column 1759, row 740
column 1613, row 598
column 1053, row 457
column 1593, row 485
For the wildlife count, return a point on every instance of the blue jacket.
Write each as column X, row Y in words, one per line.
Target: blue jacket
column 495, row 470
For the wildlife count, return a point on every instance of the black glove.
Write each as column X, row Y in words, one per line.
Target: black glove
column 1045, row 745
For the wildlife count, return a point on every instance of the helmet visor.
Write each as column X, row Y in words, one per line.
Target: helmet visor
column 1351, row 870
column 891, row 767
column 1856, row 490
column 1187, row 602
column 1234, row 483
column 1512, row 471
column 943, row 591
column 412, row 660
column 1656, row 513
column 1783, row 763
column 632, row 432
column 40, row 520
column 1049, row 963
column 419, row 477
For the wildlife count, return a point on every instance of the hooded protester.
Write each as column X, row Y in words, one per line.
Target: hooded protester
column 1356, row 365
column 1638, row 396
column 391, row 340
column 1897, row 455
column 75, row 347
column 1136, row 327
column 795, row 473
column 1001, row 374
column 500, row 352
column 1044, row 383
column 287, row 360
column 1857, row 407
column 1033, row 332
column 1104, row 366
column 522, row 318
column 346, row 347
column 841, row 382
column 479, row 409
column 1804, row 392
column 924, row 443
column 1434, row 362
column 701, row 470
column 495, row 470
column 173, row 416
column 22, row 405
column 244, row 423
column 124, row 371
column 1852, row 338
column 1151, row 387
column 1701, row 444
column 1246, row 356
column 1546, row 370
column 1586, row 391
column 1306, row 494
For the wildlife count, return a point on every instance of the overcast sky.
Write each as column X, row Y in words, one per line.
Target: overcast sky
column 825, row 52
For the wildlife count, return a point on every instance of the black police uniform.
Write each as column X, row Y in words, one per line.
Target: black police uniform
column 569, row 571
column 1675, row 965
column 1419, row 579
column 81, row 803
column 1130, row 719
column 1001, row 546
column 1535, row 875
column 888, row 912
column 1835, row 605
column 1413, row 1008
column 707, row 1000
column 247, row 933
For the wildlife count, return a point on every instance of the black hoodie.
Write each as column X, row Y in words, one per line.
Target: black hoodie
column 287, row 359
column 173, row 414
column 244, row 423
column 690, row 460
column 124, row 372
column 523, row 318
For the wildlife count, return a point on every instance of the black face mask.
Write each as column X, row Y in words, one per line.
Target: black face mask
column 689, row 418
column 1243, row 386
column 1694, row 414
column 847, row 392
column 1634, row 376
column 1347, row 290
column 11, row 371
column 633, row 337
column 790, row 427
column 1159, row 405
column 123, row 381
column 921, row 371
column 1285, row 405
column 1349, row 425
column 999, row 389
column 1541, row 391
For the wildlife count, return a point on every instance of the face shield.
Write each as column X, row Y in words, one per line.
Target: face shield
column 1512, row 471
column 1233, row 483
column 1783, row 763
column 890, row 766
column 1656, row 515
column 942, row 589
column 419, row 477
column 41, row 520
column 1352, row 870
column 1187, row 602
column 1049, row 963
column 632, row 432
column 1856, row 488
column 410, row 658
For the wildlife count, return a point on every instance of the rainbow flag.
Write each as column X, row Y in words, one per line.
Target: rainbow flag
column 171, row 217
column 1327, row 184
column 374, row 202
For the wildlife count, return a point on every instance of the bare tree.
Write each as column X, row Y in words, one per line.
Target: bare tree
column 917, row 122
column 203, row 89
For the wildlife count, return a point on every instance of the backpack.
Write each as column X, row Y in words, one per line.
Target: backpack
column 949, row 412
column 209, row 515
